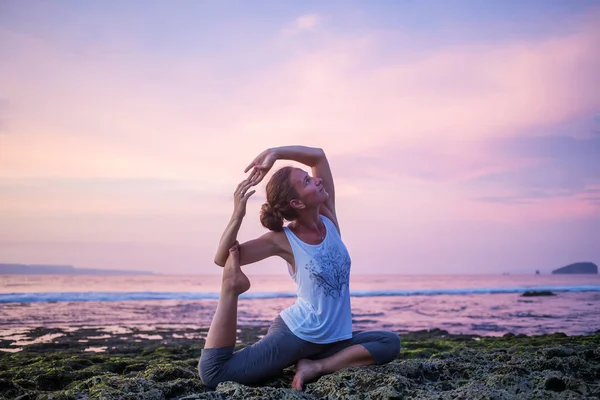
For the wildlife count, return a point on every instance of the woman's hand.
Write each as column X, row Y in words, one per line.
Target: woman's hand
column 262, row 165
column 241, row 195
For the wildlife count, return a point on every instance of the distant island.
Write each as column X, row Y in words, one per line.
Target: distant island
column 39, row 269
column 578, row 268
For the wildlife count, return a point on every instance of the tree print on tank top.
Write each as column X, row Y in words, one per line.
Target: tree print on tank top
column 330, row 271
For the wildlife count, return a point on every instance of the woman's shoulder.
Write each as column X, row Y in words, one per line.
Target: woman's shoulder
column 278, row 238
column 280, row 241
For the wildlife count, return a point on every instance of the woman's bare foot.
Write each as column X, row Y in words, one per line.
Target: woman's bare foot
column 306, row 371
column 234, row 280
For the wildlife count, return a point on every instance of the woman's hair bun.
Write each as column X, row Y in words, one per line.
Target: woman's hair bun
column 271, row 218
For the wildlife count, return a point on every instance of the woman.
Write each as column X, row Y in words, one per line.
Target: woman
column 315, row 333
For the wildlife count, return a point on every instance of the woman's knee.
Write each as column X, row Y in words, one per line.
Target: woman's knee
column 208, row 380
column 395, row 344
column 212, row 365
column 207, row 373
column 392, row 344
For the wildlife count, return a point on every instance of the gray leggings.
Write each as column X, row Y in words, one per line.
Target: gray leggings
column 279, row 349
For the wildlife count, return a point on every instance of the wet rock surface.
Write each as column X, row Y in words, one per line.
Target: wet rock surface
column 432, row 365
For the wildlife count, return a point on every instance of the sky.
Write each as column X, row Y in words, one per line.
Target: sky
column 464, row 136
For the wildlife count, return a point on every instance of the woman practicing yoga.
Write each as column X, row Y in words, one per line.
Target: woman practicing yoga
column 315, row 333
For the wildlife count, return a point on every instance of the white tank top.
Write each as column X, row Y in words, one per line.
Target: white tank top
column 322, row 312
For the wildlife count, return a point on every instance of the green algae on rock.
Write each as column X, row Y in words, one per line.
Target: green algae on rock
column 432, row 365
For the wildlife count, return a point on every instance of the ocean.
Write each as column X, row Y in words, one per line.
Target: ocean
column 459, row 304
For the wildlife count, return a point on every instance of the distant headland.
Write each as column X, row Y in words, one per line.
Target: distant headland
column 578, row 268
column 40, row 269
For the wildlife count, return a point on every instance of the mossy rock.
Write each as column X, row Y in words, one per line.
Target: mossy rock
column 135, row 367
column 11, row 390
column 114, row 387
column 26, row 384
column 360, row 382
column 54, row 379
column 236, row 391
column 77, row 363
column 432, row 365
column 168, row 372
column 181, row 387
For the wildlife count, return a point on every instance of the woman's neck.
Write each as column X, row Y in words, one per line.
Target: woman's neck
column 312, row 225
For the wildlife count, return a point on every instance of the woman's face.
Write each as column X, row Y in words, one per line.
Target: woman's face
column 310, row 190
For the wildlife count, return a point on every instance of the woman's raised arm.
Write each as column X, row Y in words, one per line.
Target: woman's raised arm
column 229, row 237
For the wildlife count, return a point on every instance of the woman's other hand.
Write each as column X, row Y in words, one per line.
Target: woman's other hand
column 241, row 194
column 262, row 164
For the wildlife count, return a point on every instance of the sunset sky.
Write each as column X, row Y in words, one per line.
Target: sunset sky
column 464, row 136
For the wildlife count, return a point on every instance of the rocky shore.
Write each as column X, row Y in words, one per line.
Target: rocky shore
column 88, row 363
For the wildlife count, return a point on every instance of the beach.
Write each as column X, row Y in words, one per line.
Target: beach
column 161, row 364
column 469, row 337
